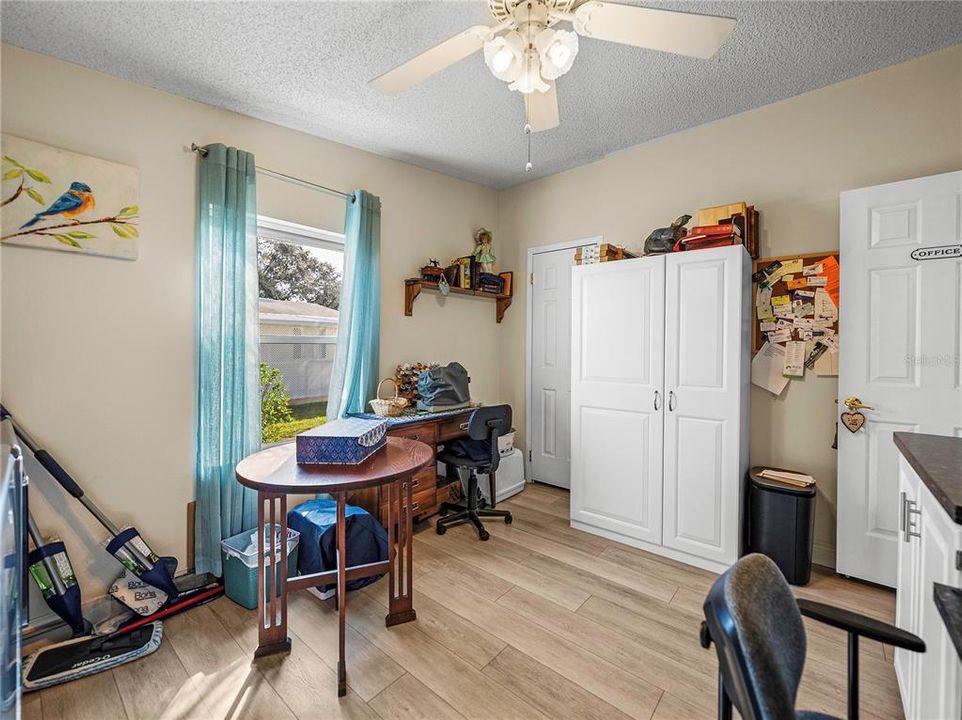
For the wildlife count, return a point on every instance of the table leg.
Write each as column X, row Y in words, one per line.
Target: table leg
column 400, row 579
column 341, row 593
column 271, row 611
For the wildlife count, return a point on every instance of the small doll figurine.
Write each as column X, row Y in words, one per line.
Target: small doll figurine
column 482, row 250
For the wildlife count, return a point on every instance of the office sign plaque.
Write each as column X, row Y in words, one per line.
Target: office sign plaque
column 938, row 252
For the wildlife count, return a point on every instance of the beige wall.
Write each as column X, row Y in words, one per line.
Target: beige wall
column 791, row 159
column 98, row 354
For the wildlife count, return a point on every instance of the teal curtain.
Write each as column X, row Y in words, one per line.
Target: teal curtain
column 228, row 395
column 356, row 363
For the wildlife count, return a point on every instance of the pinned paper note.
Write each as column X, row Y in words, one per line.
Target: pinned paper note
column 824, row 307
column 767, row 326
column 789, row 267
column 802, row 309
column 767, row 366
column 781, row 300
column 812, row 270
column 763, row 296
column 765, row 312
column 804, row 294
column 817, row 281
column 797, row 284
column 827, row 364
column 780, row 336
column 794, row 359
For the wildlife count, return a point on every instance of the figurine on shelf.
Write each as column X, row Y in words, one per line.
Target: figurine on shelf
column 482, row 250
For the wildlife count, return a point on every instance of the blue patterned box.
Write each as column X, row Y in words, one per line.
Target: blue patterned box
column 347, row 441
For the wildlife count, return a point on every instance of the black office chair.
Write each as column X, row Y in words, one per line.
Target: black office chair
column 756, row 625
column 478, row 454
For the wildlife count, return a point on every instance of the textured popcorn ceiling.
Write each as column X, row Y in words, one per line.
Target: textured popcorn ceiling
column 305, row 65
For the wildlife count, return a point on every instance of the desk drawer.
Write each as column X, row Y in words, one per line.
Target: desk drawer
column 425, row 432
column 454, row 428
column 424, row 480
column 423, row 502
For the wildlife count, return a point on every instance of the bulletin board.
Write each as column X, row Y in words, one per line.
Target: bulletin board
column 781, row 288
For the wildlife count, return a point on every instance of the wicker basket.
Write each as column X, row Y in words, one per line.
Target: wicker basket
column 388, row 407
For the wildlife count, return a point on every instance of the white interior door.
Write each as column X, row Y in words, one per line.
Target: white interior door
column 617, row 396
column 550, row 403
column 705, row 350
column 901, row 339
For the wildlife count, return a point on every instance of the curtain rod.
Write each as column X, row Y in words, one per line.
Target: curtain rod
column 194, row 147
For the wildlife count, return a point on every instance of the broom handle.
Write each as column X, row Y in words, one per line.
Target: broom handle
column 71, row 486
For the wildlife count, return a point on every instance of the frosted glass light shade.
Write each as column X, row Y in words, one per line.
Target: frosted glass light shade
column 504, row 56
column 557, row 50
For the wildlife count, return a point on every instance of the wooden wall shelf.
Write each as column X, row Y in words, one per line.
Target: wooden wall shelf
column 414, row 286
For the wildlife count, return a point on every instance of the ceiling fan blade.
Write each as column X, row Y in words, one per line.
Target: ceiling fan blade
column 432, row 61
column 675, row 32
column 542, row 109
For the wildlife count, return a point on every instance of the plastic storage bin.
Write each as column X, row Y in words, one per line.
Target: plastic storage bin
column 781, row 519
column 240, row 565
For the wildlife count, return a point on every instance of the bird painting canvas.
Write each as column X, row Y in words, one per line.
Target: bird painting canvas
column 56, row 199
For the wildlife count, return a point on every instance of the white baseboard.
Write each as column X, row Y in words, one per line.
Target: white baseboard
column 703, row 563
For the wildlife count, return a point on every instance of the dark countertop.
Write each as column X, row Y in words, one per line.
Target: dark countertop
column 938, row 461
column 949, row 602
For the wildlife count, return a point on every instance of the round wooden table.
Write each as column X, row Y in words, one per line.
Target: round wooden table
column 274, row 474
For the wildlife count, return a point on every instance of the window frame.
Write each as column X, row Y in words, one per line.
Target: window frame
column 270, row 228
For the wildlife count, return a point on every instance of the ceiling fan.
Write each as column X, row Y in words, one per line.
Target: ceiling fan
column 526, row 50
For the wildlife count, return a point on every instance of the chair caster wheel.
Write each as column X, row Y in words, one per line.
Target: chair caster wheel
column 484, row 535
column 440, row 529
column 508, row 519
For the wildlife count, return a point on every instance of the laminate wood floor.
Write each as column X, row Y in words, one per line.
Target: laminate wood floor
column 542, row 621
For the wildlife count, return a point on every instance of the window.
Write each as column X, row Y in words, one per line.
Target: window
column 299, row 277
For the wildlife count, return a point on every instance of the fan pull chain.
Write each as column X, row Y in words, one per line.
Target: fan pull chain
column 527, row 131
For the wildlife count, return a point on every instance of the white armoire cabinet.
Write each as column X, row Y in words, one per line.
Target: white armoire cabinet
column 659, row 402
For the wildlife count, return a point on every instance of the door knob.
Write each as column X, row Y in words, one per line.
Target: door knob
column 853, row 404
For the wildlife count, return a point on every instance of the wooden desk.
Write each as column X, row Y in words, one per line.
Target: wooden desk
column 430, row 489
column 274, row 473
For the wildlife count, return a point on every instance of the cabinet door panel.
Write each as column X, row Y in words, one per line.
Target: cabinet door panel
column 706, row 379
column 940, row 671
column 907, row 597
column 616, row 418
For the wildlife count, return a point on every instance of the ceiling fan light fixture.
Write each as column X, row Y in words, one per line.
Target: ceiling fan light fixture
column 557, row 50
column 504, row 56
column 530, row 79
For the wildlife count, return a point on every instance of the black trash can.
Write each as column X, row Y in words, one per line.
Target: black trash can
column 781, row 520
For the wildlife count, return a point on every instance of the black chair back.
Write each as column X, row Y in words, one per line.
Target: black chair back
column 759, row 637
column 490, row 423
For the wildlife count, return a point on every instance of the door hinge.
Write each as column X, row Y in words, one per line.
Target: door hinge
column 531, row 279
column 958, row 559
column 529, row 456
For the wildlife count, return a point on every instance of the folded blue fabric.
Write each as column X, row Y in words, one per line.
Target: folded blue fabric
column 316, row 519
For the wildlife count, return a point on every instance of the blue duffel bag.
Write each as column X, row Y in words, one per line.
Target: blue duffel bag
column 315, row 520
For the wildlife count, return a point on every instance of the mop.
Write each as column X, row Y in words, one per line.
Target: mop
column 84, row 654
column 146, row 584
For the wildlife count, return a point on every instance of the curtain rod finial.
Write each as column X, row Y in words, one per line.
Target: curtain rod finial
column 194, row 147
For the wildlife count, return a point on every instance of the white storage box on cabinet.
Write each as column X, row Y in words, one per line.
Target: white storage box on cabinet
column 659, row 402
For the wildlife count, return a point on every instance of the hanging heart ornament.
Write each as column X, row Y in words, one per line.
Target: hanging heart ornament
column 853, row 420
